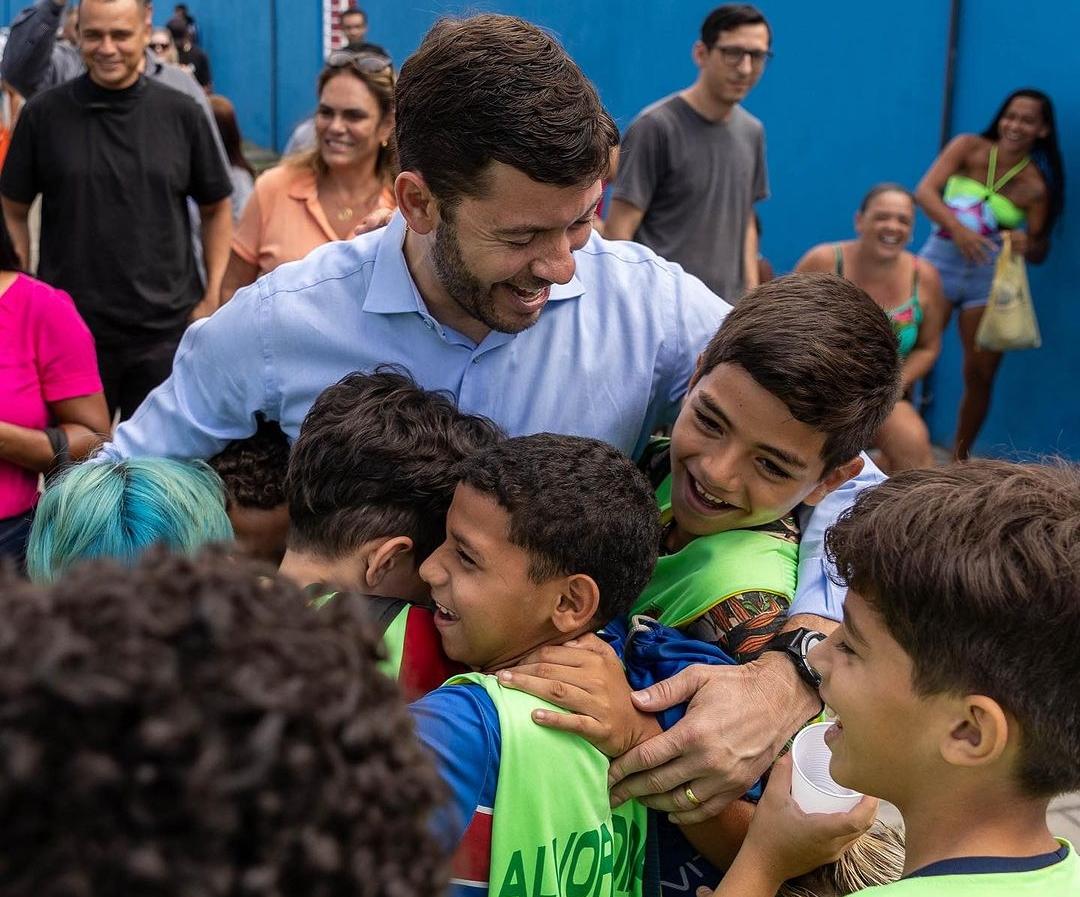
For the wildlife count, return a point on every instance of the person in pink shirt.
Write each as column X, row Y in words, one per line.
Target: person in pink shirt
column 52, row 408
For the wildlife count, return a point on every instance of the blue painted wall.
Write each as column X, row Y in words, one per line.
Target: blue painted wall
column 853, row 96
column 265, row 56
column 9, row 9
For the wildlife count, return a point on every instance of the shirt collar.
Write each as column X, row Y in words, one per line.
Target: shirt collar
column 392, row 290
column 302, row 185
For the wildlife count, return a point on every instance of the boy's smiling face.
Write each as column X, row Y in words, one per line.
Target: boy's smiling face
column 488, row 610
column 886, row 738
column 739, row 459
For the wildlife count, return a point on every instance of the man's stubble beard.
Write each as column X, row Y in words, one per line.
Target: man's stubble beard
column 462, row 286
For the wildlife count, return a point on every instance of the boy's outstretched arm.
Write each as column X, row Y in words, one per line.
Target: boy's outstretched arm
column 784, row 842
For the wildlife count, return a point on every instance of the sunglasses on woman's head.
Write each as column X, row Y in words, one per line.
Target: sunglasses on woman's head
column 366, row 63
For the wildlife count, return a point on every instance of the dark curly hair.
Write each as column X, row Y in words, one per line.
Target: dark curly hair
column 576, row 505
column 254, row 469
column 375, row 457
column 189, row 727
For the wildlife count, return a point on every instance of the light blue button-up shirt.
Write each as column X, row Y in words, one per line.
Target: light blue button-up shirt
column 610, row 356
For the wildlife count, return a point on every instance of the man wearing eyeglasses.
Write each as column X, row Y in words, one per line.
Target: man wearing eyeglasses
column 692, row 165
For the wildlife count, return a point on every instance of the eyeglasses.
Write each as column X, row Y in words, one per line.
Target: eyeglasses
column 365, row 63
column 733, row 55
column 158, row 46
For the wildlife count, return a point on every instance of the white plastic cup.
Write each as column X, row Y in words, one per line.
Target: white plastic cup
column 813, row 788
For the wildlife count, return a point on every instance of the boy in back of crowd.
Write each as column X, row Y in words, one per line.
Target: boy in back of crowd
column 253, row 471
column 953, row 678
column 370, row 479
column 548, row 538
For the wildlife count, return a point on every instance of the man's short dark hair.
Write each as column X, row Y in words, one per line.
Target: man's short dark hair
column 729, row 17
column 495, row 88
column 975, row 570
column 191, row 727
column 354, row 11
column 824, row 348
column 253, row 469
column 576, row 505
column 376, row 457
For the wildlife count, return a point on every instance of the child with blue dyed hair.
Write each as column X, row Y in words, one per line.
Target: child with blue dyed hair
column 120, row 509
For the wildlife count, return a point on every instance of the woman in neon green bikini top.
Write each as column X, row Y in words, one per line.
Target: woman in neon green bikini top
column 908, row 290
column 1008, row 179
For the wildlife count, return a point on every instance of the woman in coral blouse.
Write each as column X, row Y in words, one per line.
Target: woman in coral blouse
column 323, row 194
column 52, row 408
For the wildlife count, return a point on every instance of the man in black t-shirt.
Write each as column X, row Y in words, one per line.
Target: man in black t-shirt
column 114, row 155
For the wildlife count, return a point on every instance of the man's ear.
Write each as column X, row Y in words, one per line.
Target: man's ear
column 579, row 600
column 835, row 479
column 385, row 557
column 416, row 202
column 699, row 53
column 979, row 733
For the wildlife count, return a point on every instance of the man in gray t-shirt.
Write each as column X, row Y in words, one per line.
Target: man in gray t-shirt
column 692, row 165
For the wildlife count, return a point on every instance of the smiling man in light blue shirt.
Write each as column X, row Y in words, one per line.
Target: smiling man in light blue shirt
column 490, row 284
column 609, row 356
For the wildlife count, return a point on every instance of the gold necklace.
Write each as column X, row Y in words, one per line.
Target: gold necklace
column 346, row 212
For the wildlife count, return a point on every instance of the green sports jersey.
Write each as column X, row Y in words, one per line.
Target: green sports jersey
column 1062, row 879
column 554, row 832
column 731, row 588
column 393, row 628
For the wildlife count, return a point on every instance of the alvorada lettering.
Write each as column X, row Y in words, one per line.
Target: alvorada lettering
column 594, row 863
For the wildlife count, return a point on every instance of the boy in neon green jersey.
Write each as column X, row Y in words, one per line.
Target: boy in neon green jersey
column 954, row 680
column 548, row 538
column 370, row 479
column 786, row 395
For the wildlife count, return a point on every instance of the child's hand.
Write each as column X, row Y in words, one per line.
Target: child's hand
column 784, row 842
column 585, row 677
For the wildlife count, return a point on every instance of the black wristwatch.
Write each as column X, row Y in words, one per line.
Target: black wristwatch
column 796, row 644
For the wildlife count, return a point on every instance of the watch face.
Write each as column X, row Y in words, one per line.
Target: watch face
column 808, row 640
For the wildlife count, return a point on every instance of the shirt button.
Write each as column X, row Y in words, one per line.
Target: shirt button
column 476, row 361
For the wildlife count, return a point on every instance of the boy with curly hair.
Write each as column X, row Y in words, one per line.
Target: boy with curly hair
column 190, row 727
column 548, row 538
column 253, row 471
